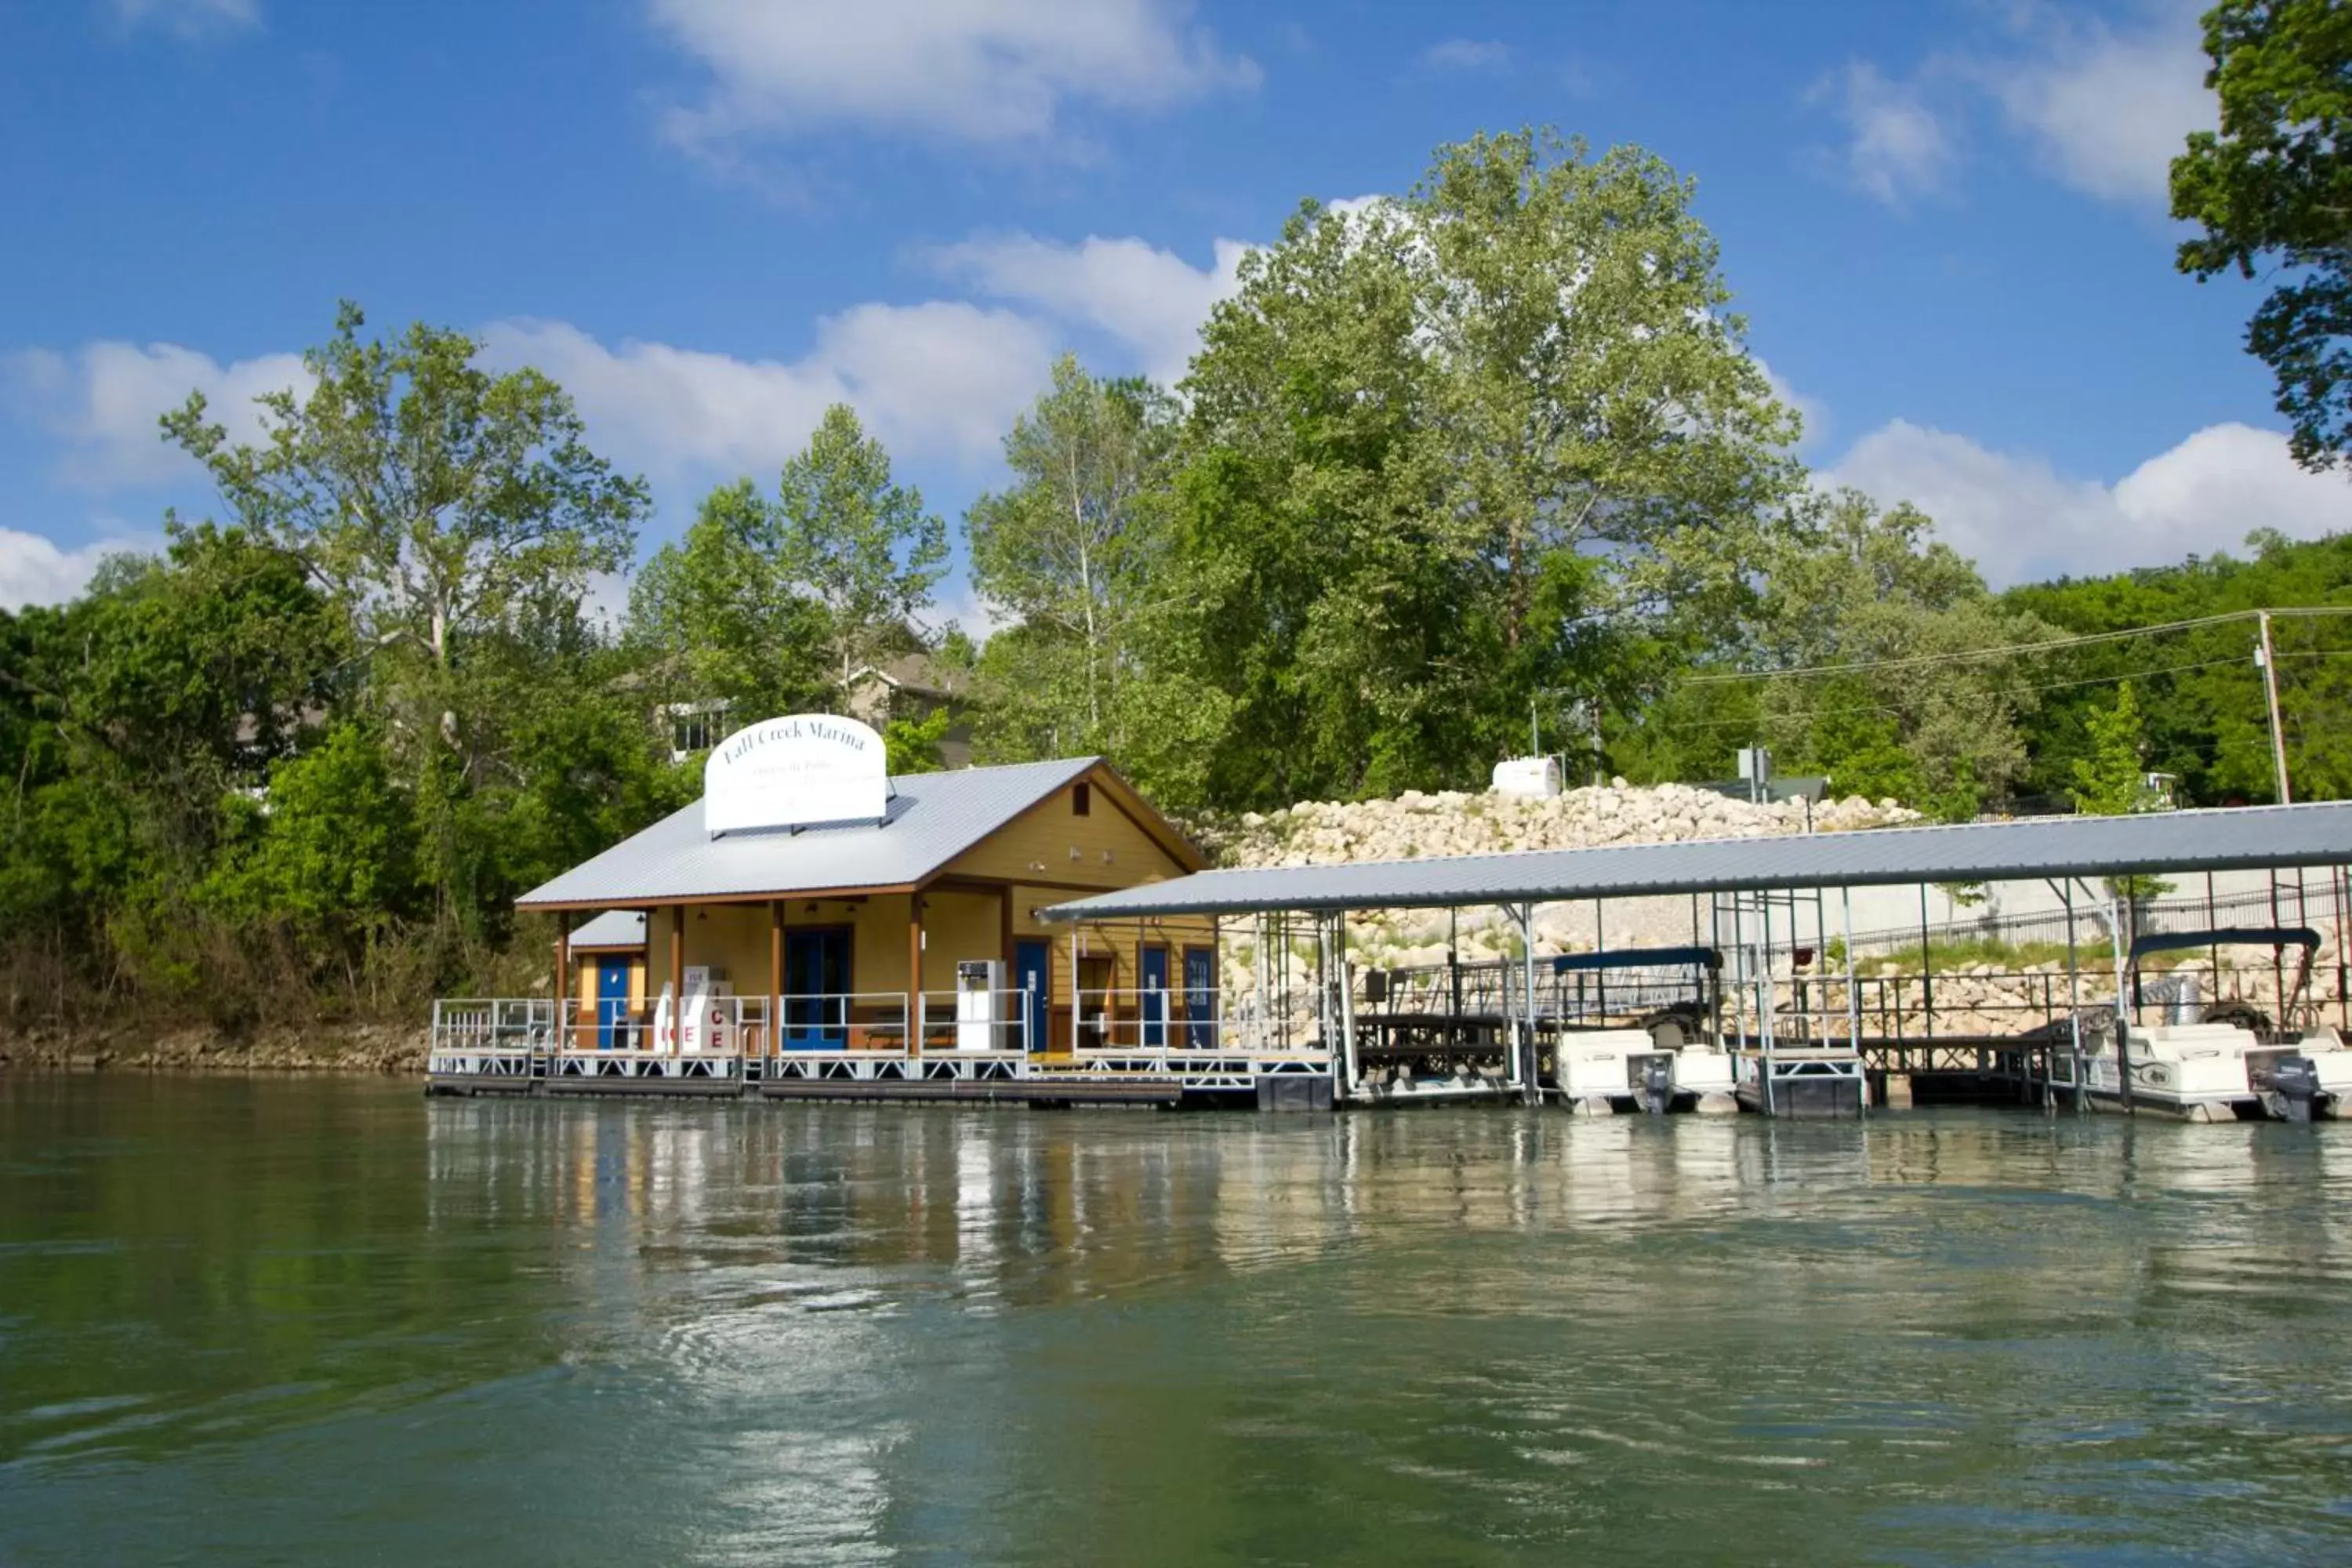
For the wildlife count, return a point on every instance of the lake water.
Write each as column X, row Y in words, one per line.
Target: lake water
column 328, row 1321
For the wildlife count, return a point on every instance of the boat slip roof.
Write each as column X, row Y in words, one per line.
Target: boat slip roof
column 2246, row 837
column 933, row 819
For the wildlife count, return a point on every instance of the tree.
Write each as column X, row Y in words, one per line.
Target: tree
column 455, row 517
column 862, row 547
column 912, row 745
column 2112, row 781
column 440, row 505
column 1934, row 721
column 717, row 617
column 2197, row 688
column 1077, row 550
column 2274, row 186
column 335, row 856
column 1449, row 452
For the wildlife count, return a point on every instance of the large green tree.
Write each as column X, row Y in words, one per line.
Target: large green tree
column 458, row 517
column 1081, row 551
column 1461, row 451
column 860, row 544
column 717, row 616
column 2271, row 189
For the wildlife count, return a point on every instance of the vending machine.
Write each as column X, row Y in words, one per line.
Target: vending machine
column 979, row 1005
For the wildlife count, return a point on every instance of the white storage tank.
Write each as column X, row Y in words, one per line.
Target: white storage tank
column 1537, row 777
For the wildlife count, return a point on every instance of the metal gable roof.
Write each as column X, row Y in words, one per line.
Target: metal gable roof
column 614, row 928
column 934, row 817
column 2248, row 837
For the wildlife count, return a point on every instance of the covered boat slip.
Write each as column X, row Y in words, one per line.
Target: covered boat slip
column 886, row 942
column 1770, row 1003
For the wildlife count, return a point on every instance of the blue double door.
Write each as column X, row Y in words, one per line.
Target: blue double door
column 816, row 989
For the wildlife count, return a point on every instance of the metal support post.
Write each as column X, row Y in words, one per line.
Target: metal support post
column 2123, row 1027
column 1532, row 1079
column 1347, row 1001
column 2075, row 1006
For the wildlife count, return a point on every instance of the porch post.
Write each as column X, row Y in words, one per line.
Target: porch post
column 914, row 974
column 677, row 978
column 563, row 979
column 776, row 976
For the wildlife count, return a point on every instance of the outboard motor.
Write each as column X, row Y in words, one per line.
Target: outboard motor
column 1657, row 1085
column 2290, row 1088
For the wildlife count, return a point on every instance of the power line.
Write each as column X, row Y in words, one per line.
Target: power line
column 2007, row 650
column 1807, row 715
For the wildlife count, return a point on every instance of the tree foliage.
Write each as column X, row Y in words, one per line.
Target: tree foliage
column 1076, row 550
column 860, row 545
column 2271, row 189
column 1935, row 718
column 1449, row 452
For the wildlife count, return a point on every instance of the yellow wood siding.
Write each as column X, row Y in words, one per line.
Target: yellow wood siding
column 1104, row 849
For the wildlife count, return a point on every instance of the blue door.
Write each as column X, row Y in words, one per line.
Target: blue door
column 817, row 988
column 1032, row 974
column 1200, row 998
column 1155, row 998
column 612, row 1003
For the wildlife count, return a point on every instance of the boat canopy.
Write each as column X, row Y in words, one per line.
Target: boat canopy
column 2250, row 936
column 1637, row 958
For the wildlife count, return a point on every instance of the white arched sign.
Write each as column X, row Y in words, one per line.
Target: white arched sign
column 795, row 771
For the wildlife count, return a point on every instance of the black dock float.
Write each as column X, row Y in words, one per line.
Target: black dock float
column 470, row 1083
column 642, row 1087
column 979, row 1091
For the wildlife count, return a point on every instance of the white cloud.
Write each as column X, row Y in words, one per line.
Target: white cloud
column 2021, row 520
column 1466, row 54
column 189, row 18
column 1150, row 299
column 991, row 72
column 103, row 400
column 34, row 570
column 957, row 604
column 1812, row 410
column 2108, row 108
column 942, row 379
column 1898, row 146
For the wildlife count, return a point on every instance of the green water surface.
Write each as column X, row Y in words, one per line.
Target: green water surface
column 325, row 1321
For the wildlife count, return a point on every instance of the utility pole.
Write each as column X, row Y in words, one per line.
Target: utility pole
column 2269, row 661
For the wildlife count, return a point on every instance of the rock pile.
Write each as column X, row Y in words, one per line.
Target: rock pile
column 1417, row 824
column 1328, row 833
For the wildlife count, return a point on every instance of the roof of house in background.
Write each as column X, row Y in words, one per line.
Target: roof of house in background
column 2244, row 838
column 614, row 928
column 920, row 672
column 933, row 819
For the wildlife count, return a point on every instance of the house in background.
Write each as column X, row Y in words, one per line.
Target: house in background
column 912, row 687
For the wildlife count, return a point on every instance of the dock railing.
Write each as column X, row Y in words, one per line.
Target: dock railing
column 1004, row 1026
column 1203, row 1036
column 1180, row 1027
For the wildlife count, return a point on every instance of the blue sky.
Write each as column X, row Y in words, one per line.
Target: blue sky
column 1942, row 219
